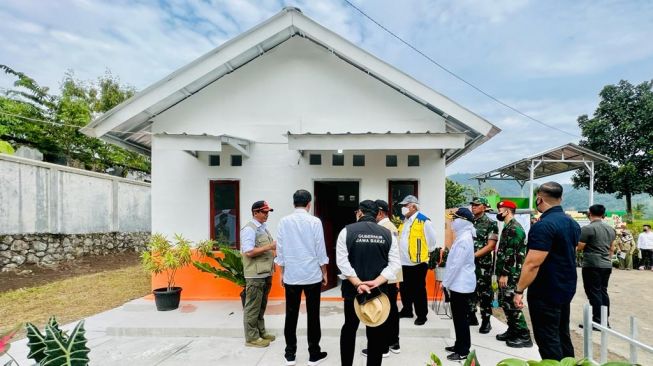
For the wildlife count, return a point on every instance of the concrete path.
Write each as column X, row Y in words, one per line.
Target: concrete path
column 211, row 333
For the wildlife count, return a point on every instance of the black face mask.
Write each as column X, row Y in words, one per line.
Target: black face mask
column 500, row 217
column 538, row 202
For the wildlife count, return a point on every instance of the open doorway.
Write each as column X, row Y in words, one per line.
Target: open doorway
column 335, row 203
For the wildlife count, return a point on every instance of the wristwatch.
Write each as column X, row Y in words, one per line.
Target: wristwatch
column 519, row 292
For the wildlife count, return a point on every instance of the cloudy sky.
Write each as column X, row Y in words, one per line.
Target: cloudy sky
column 548, row 59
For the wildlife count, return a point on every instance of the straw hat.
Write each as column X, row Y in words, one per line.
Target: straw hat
column 374, row 312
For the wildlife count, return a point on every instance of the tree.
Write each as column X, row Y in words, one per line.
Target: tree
column 489, row 191
column 622, row 130
column 31, row 115
column 455, row 194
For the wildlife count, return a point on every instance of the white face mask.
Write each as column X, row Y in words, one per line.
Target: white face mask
column 404, row 210
column 457, row 225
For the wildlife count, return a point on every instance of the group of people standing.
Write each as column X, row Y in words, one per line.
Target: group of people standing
column 633, row 253
column 373, row 256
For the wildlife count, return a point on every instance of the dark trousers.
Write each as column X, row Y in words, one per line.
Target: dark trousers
column 293, row 302
column 595, row 282
column 551, row 329
column 647, row 258
column 459, row 312
column 376, row 342
column 393, row 318
column 413, row 290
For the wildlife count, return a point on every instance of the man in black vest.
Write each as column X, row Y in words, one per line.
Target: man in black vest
column 367, row 256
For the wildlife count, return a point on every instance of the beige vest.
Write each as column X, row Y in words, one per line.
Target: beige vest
column 395, row 234
column 263, row 264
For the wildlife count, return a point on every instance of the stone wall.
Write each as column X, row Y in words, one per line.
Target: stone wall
column 49, row 249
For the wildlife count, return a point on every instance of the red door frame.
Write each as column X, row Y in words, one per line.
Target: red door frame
column 391, row 182
column 212, row 185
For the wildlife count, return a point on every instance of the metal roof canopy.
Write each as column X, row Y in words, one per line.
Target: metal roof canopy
column 550, row 162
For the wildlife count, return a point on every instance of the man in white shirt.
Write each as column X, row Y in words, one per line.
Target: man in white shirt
column 645, row 246
column 301, row 255
column 416, row 241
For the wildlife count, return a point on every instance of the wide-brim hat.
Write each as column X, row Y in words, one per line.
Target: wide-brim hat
column 374, row 312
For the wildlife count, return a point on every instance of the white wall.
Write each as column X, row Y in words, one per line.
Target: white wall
column 181, row 198
column 37, row 197
column 297, row 87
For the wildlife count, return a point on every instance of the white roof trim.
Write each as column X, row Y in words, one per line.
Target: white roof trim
column 376, row 141
column 133, row 114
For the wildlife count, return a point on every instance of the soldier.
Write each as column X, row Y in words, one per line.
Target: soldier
column 510, row 258
column 484, row 243
column 626, row 246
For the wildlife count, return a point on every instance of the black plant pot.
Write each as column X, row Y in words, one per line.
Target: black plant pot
column 243, row 296
column 167, row 300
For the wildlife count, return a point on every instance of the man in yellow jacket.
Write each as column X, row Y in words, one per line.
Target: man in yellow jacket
column 416, row 240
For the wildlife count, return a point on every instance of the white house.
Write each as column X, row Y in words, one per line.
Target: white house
column 286, row 105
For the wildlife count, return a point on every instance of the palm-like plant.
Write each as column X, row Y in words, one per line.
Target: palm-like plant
column 162, row 256
column 230, row 267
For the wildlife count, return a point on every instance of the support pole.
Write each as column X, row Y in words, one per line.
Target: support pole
column 592, row 183
column 532, row 177
column 633, row 335
column 587, row 332
column 604, row 335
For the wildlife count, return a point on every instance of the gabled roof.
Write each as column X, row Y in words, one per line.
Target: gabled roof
column 550, row 162
column 129, row 123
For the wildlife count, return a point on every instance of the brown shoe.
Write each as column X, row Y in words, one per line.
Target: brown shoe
column 259, row 343
column 268, row 336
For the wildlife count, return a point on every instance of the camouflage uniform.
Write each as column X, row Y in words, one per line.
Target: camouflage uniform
column 510, row 258
column 486, row 229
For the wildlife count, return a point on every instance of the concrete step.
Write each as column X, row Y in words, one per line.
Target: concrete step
column 139, row 318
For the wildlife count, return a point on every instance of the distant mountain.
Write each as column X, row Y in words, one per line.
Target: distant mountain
column 573, row 199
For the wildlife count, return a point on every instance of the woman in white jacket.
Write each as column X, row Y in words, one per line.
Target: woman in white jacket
column 460, row 277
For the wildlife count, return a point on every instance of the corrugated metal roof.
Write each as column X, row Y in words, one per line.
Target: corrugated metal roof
column 129, row 124
column 553, row 161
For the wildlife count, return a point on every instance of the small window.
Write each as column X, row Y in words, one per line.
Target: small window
column 315, row 159
column 413, row 160
column 359, row 160
column 236, row 160
column 338, row 160
column 391, row 160
column 214, row 160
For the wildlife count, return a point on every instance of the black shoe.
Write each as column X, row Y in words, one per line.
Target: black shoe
column 405, row 314
column 593, row 328
column 317, row 359
column 504, row 336
column 386, row 354
column 420, row 321
column 450, row 348
column 456, row 357
column 290, row 360
column 486, row 327
column 522, row 341
column 395, row 348
column 472, row 319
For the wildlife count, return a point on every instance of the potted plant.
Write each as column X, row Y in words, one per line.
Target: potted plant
column 162, row 256
column 230, row 265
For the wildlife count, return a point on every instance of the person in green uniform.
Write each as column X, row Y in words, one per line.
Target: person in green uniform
column 510, row 258
column 487, row 233
column 257, row 248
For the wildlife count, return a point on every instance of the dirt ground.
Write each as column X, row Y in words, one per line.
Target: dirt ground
column 631, row 293
column 32, row 275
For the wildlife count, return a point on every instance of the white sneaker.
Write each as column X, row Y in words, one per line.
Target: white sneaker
column 385, row 355
column 641, row 268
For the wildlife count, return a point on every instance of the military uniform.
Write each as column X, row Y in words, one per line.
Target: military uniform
column 626, row 246
column 486, row 229
column 510, row 258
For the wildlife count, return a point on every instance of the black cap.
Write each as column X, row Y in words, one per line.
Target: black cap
column 464, row 213
column 382, row 205
column 261, row 206
column 368, row 207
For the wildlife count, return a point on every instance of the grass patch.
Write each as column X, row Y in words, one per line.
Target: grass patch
column 74, row 298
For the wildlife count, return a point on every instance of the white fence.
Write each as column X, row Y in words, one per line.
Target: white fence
column 38, row 197
column 589, row 326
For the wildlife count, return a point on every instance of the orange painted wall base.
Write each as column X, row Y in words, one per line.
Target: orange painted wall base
column 198, row 285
